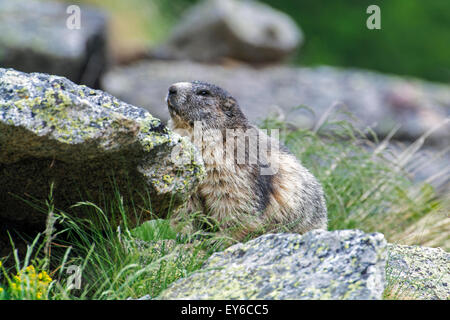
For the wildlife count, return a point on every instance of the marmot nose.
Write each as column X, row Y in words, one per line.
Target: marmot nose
column 172, row 90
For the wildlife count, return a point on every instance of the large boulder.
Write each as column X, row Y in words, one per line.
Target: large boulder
column 415, row 272
column 34, row 37
column 382, row 101
column 243, row 30
column 345, row 264
column 88, row 144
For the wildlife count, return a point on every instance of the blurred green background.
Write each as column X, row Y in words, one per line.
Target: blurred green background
column 414, row 39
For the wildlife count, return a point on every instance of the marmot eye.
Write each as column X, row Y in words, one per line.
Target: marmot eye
column 203, row 93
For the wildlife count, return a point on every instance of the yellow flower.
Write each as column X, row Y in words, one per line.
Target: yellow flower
column 44, row 277
column 1, row 290
column 1, row 263
column 28, row 282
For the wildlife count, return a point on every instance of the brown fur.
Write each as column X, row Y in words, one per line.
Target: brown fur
column 237, row 195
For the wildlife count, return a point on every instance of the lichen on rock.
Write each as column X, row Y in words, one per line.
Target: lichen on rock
column 80, row 139
column 344, row 264
column 415, row 272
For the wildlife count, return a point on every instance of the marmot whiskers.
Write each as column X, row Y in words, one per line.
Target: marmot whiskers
column 256, row 191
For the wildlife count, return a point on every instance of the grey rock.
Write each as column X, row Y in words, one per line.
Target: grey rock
column 377, row 100
column 52, row 130
column 345, row 264
column 243, row 30
column 415, row 272
column 34, row 38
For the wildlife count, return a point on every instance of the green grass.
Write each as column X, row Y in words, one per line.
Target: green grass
column 114, row 260
column 366, row 188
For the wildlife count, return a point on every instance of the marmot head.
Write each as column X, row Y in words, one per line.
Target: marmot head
column 199, row 101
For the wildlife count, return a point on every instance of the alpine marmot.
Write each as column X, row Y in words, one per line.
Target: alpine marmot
column 252, row 183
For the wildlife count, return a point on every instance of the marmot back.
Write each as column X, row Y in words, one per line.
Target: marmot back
column 252, row 183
